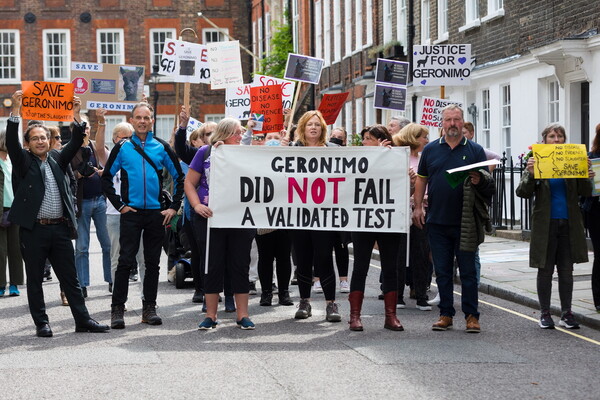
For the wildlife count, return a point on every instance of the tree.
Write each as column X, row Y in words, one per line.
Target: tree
column 281, row 46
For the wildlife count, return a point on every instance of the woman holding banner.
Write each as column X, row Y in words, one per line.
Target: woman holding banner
column 229, row 248
column 557, row 233
column 314, row 247
column 389, row 245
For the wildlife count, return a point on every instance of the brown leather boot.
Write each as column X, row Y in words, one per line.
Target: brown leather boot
column 356, row 300
column 391, row 321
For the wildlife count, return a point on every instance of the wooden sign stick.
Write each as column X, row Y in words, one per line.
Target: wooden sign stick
column 289, row 124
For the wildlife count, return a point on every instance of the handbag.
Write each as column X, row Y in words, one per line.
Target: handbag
column 4, row 222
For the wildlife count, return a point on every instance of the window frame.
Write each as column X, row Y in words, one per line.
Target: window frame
column 121, row 55
column 506, row 118
column 425, row 22
column 66, row 56
column 152, row 52
column 442, row 21
column 485, row 117
column 16, row 57
column 553, row 101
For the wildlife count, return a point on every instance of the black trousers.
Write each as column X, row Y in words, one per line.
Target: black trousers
column 314, row 248
column 54, row 243
column 143, row 225
column 593, row 225
column 274, row 246
column 196, row 263
column 363, row 243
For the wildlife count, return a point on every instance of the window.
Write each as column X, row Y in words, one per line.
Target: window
column 327, row 31
column 10, row 57
column 348, row 117
column 57, row 54
column 495, row 5
column 255, row 44
column 158, row 37
column 358, row 12
column 359, row 115
column 111, row 122
column 261, row 36
column 295, row 25
column 268, row 34
column 442, row 20
column 401, row 16
column 110, row 46
column 553, row 102
column 425, row 21
column 506, row 123
column 369, row 22
column 471, row 10
column 369, row 111
column 219, row 35
column 485, row 113
column 318, row 30
column 164, row 126
column 213, row 117
column 337, row 31
column 349, row 18
column 387, row 21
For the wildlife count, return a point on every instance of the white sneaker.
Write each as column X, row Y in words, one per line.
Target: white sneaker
column 317, row 287
column 435, row 301
column 344, row 287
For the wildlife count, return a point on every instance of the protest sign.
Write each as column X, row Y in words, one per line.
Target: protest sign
column 391, row 72
column 237, row 100
column 390, row 97
column 431, row 112
column 442, row 65
column 185, row 61
column 192, row 125
column 225, row 64
column 331, row 105
column 560, row 161
column 47, row 101
column 350, row 188
column 303, row 68
column 111, row 86
column 266, row 102
column 596, row 169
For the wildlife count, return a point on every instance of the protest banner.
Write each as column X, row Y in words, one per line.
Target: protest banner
column 237, row 100
column 596, row 169
column 560, row 161
column 331, row 105
column 225, row 65
column 192, row 125
column 391, row 72
column 113, row 87
column 185, row 62
column 390, row 97
column 350, row 188
column 303, row 68
column 265, row 102
column 431, row 112
column 47, row 101
column 442, row 65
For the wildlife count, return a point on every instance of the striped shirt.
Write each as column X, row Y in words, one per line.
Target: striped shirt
column 52, row 206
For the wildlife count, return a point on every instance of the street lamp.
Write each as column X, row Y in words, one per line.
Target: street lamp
column 154, row 79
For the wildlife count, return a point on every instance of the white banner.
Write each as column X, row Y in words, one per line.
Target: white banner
column 185, row 61
column 225, row 65
column 346, row 188
column 442, row 65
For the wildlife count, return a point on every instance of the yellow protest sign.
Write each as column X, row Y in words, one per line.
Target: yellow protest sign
column 560, row 161
column 47, row 101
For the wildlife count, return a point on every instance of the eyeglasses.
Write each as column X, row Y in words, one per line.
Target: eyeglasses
column 42, row 138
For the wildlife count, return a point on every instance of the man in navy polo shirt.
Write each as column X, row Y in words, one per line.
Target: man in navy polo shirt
column 444, row 213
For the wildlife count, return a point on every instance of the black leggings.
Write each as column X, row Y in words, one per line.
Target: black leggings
column 342, row 258
column 314, row 247
column 363, row 243
column 196, row 265
column 274, row 246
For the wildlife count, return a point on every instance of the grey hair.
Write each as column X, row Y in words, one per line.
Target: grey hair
column 558, row 128
column 452, row 107
column 121, row 126
column 402, row 121
column 142, row 104
column 225, row 129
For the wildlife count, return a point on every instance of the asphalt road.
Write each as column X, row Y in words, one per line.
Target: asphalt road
column 290, row 359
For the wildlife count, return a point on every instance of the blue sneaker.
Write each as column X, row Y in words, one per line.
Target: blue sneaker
column 13, row 290
column 207, row 324
column 245, row 323
column 2, row 291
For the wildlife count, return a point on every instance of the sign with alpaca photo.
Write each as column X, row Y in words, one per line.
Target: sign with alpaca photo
column 111, row 86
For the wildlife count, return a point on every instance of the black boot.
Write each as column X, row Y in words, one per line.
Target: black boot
column 266, row 298
column 149, row 314
column 284, row 298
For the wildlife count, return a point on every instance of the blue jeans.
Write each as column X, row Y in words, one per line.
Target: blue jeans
column 445, row 242
column 91, row 209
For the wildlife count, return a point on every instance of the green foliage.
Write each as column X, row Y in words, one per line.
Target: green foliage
column 356, row 140
column 281, row 46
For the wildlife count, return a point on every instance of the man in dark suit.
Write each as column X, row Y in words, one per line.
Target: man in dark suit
column 43, row 208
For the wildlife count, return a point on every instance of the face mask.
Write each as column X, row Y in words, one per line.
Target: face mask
column 272, row 142
column 337, row 141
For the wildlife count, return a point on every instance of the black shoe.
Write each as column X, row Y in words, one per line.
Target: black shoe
column 43, row 331
column 304, row 310
column 381, row 296
column 91, row 326
column 110, row 287
column 84, row 292
column 284, row 298
column 252, row 289
column 274, row 289
column 149, row 315
column 133, row 275
column 198, row 297
column 117, row 321
column 47, row 274
column 266, row 299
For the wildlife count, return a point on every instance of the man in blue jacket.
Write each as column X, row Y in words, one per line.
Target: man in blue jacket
column 141, row 160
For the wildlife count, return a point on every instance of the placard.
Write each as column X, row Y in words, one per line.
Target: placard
column 237, row 100
column 442, row 65
column 114, row 87
column 192, row 125
column 225, row 64
column 303, row 68
column 185, row 62
column 391, row 72
column 431, row 112
column 266, row 104
column 390, row 97
column 47, row 101
column 596, row 169
column 344, row 188
column 560, row 161
column 331, row 105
